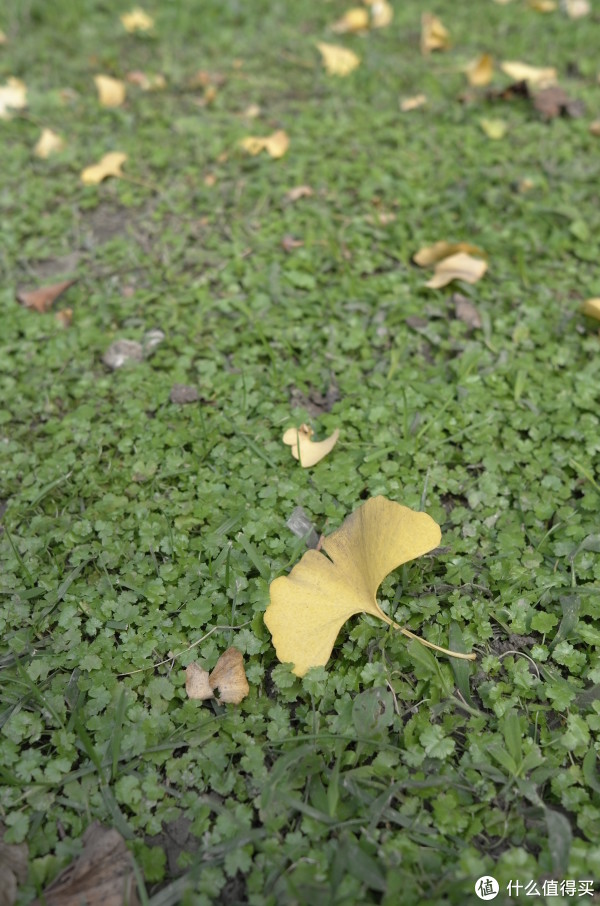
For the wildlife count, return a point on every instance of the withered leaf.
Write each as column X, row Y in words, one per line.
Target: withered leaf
column 554, row 101
column 466, row 311
column 43, row 298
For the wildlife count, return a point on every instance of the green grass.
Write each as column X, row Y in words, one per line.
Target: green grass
column 132, row 527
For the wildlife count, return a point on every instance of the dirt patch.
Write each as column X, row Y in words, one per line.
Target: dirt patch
column 48, row 268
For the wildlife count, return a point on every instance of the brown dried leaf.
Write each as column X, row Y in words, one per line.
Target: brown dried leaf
column 297, row 193
column 229, row 677
column 196, row 682
column 465, row 311
column 554, row 101
column 102, row 875
column 289, row 243
column 43, row 298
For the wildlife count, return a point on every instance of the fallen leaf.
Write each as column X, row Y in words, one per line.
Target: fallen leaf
column 252, row 111
column 480, row 71
column 457, row 267
column 137, row 20
column 431, row 254
column 3, row 38
column 338, row 60
column 591, row 308
column 297, row 193
column 210, row 180
column 465, row 311
column 111, row 92
column 122, row 351
column 418, row 100
column 289, row 243
column 543, row 6
column 310, row 605
column 355, row 20
column 554, row 101
column 494, row 129
column 594, row 128
column 13, row 869
column 182, row 394
column 13, row 96
column 434, row 35
column 228, row 677
column 304, row 449
column 540, row 77
column 102, row 875
column 64, row 317
column 48, row 143
column 275, row 145
column 109, row 165
column 382, row 14
column 43, row 298
column 577, row 9
column 146, row 82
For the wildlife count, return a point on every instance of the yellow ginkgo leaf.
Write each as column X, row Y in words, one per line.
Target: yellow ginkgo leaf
column 434, row 34
column 541, row 77
column 309, row 607
column 111, row 92
column 338, row 60
column 355, row 20
column 307, row 451
column 13, row 96
column 494, row 129
column 109, row 165
column 457, row 267
column 382, row 14
column 543, row 6
column 431, row 254
column 480, row 71
column 407, row 104
column 137, row 20
column 275, row 145
column 48, row 143
column 591, row 308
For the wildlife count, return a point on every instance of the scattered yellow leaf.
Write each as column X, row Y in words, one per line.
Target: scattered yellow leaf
column 137, row 20
column 252, row 111
column 494, row 129
column 109, row 165
column 577, row 9
column 13, row 96
column 594, row 127
column 3, row 38
column 228, row 676
column 275, row 145
column 591, row 308
column 355, row 20
column 533, row 75
column 111, row 92
column 48, row 143
column 412, row 103
column 382, row 14
column 480, row 72
column 64, row 317
column 338, row 60
column 543, row 6
column 297, row 193
column 457, row 267
column 431, row 254
column 306, row 450
column 434, row 35
column 310, row 605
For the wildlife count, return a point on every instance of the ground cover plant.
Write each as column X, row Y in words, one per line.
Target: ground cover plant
column 264, row 285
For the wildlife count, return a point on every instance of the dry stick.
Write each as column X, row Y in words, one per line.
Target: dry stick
column 189, row 648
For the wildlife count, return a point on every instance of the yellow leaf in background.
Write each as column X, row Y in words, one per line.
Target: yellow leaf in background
column 594, row 127
column 109, row 165
column 543, row 6
column 228, row 676
column 480, row 72
column 591, row 308
column 252, row 111
column 304, row 449
column 577, row 9
column 338, row 60
column 13, row 96
column 434, row 35
column 3, row 38
column 457, row 267
column 111, row 92
column 137, row 20
column 431, row 254
column 382, row 14
column 310, row 605
column 355, row 20
column 412, row 103
column 533, row 75
column 48, row 143
column 494, row 129
column 275, row 145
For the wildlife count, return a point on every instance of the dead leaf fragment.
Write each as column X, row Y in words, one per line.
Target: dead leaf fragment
column 407, row 104
column 431, row 254
column 48, row 143
column 64, row 317
column 338, row 60
column 540, row 77
column 122, row 351
column 13, row 869
column 43, row 298
column 304, row 449
column 229, row 677
column 577, row 9
column 457, row 267
column 494, row 129
column 111, row 92
column 355, row 20
column 591, row 308
column 480, row 71
column 289, row 243
column 13, row 96
column 102, row 875
column 109, row 165
column 382, row 14
column 434, row 34
column 594, row 128
column 275, row 144
column 196, row 682
column 554, row 101
column 146, row 82
column 137, row 20
column 3, row 38
column 297, row 193
column 465, row 311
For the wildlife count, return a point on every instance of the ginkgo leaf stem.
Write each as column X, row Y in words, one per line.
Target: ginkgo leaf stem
column 411, row 635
